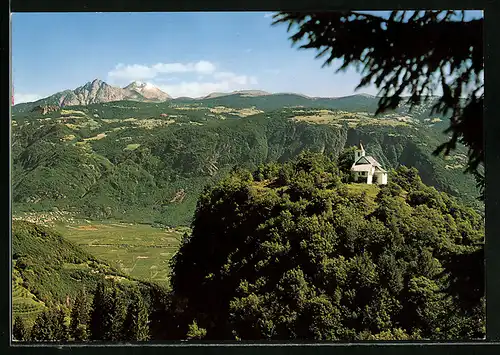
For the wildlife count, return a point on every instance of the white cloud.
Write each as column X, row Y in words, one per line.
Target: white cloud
column 168, row 79
column 234, row 78
column 20, row 98
column 204, row 67
column 132, row 72
column 208, row 79
column 167, row 68
column 142, row 72
column 195, row 89
column 268, row 14
column 224, row 82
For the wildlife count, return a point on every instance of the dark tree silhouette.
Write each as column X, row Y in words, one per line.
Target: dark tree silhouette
column 116, row 316
column 80, row 316
column 19, row 331
column 411, row 53
column 136, row 325
column 101, row 309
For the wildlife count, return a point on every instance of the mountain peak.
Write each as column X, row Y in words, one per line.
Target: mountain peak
column 96, row 83
column 98, row 91
column 147, row 90
column 140, row 84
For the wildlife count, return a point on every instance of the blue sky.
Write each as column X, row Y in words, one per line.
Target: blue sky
column 185, row 54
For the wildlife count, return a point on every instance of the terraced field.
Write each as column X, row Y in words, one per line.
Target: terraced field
column 24, row 303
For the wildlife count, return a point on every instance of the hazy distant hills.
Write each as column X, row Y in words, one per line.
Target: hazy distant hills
column 247, row 93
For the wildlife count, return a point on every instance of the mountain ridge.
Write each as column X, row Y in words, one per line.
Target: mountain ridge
column 98, row 91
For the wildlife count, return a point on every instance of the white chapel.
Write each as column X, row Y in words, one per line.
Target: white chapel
column 366, row 169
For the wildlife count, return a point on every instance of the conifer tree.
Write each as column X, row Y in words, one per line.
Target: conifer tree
column 80, row 317
column 19, row 330
column 81, row 333
column 115, row 318
column 61, row 329
column 101, row 307
column 43, row 328
column 136, row 326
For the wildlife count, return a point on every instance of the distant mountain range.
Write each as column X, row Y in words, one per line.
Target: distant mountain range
column 97, row 91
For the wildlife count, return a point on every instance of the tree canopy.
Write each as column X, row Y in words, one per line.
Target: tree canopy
column 290, row 252
column 416, row 53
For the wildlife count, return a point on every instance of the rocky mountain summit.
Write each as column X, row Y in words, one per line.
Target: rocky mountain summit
column 97, row 91
column 93, row 92
column 147, row 91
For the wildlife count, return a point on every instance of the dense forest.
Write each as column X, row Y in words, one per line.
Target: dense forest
column 287, row 251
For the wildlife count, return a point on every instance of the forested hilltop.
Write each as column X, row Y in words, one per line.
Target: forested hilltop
column 289, row 251
column 148, row 162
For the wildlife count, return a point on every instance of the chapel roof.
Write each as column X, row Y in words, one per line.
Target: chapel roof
column 366, row 163
column 362, row 167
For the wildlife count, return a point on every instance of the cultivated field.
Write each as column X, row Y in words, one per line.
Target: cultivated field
column 352, row 119
column 138, row 250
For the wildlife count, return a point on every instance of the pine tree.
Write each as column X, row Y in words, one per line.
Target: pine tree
column 115, row 318
column 136, row 326
column 195, row 332
column 80, row 317
column 101, row 308
column 61, row 330
column 81, row 333
column 19, row 330
column 43, row 328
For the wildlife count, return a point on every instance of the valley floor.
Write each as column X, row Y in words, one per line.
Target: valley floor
column 139, row 250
